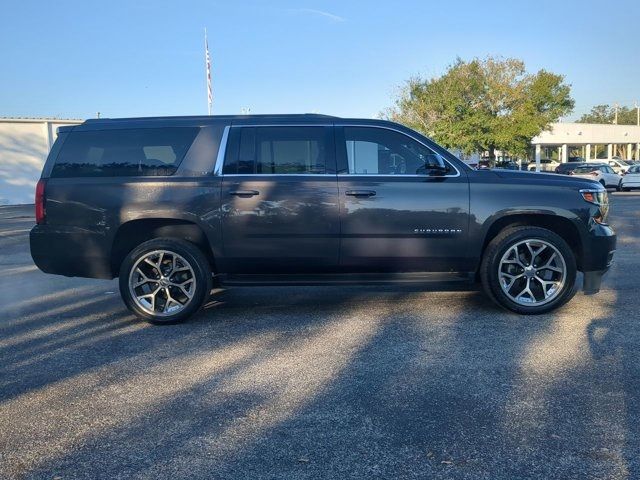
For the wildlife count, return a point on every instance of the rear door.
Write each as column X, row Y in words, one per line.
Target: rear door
column 280, row 200
column 397, row 212
column 611, row 178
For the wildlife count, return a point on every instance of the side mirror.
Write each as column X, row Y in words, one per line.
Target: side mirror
column 434, row 164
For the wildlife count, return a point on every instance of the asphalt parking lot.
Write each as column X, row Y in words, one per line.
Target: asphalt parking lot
column 331, row 382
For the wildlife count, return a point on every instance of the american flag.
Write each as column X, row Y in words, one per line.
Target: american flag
column 208, row 60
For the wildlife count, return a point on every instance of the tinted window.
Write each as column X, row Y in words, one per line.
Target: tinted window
column 580, row 170
column 110, row 153
column 277, row 150
column 379, row 151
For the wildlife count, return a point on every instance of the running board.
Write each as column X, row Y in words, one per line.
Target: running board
column 464, row 278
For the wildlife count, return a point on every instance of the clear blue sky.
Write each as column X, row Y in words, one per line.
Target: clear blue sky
column 73, row 58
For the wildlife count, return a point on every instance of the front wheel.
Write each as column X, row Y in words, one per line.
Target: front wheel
column 165, row 280
column 529, row 270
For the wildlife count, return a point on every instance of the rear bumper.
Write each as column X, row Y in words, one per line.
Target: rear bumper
column 599, row 249
column 70, row 251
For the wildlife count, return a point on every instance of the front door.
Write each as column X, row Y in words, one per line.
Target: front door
column 280, row 200
column 400, row 212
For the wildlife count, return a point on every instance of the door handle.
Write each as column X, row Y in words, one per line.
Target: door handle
column 244, row 193
column 360, row 193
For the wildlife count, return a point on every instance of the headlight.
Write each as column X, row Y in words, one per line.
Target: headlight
column 600, row 198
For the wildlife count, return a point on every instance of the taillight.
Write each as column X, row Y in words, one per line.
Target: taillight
column 41, row 212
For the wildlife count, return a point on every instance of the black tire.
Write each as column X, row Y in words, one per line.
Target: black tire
column 498, row 247
column 201, row 273
column 602, row 182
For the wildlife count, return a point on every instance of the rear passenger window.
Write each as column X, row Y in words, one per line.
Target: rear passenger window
column 278, row 150
column 133, row 152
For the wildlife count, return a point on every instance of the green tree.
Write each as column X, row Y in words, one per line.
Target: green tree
column 484, row 105
column 607, row 114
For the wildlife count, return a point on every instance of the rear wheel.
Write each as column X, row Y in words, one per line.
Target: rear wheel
column 529, row 270
column 165, row 280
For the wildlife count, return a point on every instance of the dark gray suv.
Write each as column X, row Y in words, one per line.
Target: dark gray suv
column 172, row 205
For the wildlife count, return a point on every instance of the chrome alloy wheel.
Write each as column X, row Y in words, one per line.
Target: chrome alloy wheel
column 162, row 283
column 532, row 272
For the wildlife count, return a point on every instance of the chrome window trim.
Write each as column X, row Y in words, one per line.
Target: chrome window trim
column 222, row 150
column 358, row 125
column 280, row 175
column 391, row 175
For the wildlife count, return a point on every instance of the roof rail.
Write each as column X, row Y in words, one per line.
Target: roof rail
column 212, row 117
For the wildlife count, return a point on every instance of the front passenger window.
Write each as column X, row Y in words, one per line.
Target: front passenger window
column 380, row 151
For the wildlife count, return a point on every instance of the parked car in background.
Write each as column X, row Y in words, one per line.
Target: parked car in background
column 508, row 165
column 524, row 165
column 567, row 168
column 603, row 174
column 619, row 165
column 631, row 179
column 546, row 165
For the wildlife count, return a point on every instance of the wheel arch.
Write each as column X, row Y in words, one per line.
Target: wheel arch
column 134, row 232
column 561, row 225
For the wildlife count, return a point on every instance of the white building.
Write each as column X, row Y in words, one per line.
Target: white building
column 24, row 146
column 589, row 141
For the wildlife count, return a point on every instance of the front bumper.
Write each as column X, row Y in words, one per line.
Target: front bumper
column 597, row 256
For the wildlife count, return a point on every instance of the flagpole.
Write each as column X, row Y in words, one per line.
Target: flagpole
column 208, row 72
